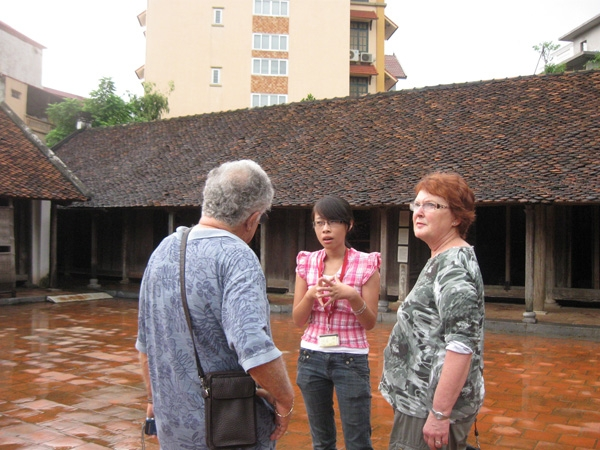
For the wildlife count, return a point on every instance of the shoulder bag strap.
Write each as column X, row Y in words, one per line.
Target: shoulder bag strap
column 184, row 299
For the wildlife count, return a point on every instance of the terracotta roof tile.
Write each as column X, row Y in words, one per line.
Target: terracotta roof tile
column 358, row 14
column 28, row 169
column 521, row 140
column 393, row 67
column 359, row 69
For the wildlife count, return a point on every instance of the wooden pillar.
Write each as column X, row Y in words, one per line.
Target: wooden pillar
column 53, row 245
column 384, row 250
column 302, row 228
column 402, row 255
column 596, row 248
column 171, row 224
column 124, row 242
column 549, row 301
column 383, row 305
column 263, row 247
column 507, row 254
column 539, row 259
column 529, row 314
column 94, row 253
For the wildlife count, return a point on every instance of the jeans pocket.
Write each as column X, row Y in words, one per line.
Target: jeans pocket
column 358, row 364
column 303, row 356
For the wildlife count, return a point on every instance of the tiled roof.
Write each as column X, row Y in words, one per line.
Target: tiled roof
column 359, row 69
column 393, row 67
column 358, row 14
column 28, row 169
column 521, row 140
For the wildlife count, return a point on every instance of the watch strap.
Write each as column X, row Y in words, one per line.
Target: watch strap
column 438, row 415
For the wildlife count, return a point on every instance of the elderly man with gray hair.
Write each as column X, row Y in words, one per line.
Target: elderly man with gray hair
column 229, row 309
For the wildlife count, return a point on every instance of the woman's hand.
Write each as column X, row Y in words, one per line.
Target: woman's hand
column 436, row 432
column 331, row 289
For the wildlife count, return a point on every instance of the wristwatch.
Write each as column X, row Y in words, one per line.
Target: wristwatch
column 438, row 415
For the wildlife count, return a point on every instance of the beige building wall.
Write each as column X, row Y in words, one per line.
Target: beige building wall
column 318, row 50
column 184, row 45
column 15, row 96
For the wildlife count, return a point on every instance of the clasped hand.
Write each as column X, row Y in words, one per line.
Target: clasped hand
column 329, row 290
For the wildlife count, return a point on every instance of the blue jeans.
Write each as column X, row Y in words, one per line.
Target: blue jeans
column 318, row 374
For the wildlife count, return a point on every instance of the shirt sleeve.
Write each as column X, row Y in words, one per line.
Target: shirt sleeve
column 246, row 313
column 373, row 263
column 459, row 304
column 302, row 264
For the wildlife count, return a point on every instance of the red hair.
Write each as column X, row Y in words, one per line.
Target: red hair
column 455, row 190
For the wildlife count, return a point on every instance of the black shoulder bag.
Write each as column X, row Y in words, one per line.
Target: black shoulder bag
column 229, row 407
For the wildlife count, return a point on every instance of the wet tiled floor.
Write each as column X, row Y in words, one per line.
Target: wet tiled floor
column 69, row 379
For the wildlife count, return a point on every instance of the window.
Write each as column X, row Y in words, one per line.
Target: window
column 217, row 16
column 271, row 7
column 277, row 42
column 268, row 99
column 15, row 94
column 359, row 36
column 265, row 66
column 215, row 75
column 359, row 86
column 584, row 46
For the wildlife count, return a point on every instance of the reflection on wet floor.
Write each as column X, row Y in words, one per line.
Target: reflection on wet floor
column 69, row 378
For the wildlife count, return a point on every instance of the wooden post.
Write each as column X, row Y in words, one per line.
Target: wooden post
column 402, row 254
column 53, row 245
column 94, row 253
column 124, row 242
column 529, row 314
column 539, row 259
column 171, row 223
column 383, row 248
column 550, row 259
column 507, row 243
column 596, row 247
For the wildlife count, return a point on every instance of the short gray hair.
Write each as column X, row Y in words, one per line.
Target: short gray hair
column 235, row 190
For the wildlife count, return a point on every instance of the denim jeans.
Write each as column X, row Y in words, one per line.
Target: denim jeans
column 319, row 374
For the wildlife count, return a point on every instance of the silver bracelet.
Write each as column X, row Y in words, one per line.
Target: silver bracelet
column 361, row 310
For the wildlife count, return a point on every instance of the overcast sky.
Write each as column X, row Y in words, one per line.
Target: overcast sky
column 437, row 41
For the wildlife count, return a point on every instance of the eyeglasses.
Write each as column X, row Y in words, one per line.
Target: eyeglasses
column 331, row 223
column 427, row 206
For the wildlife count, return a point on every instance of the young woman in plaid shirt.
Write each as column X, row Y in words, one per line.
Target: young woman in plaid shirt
column 336, row 296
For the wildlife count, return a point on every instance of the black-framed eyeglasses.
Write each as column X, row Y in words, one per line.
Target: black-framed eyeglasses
column 427, row 206
column 330, row 223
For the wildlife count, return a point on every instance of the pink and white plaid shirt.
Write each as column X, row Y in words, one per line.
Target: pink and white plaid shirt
column 360, row 267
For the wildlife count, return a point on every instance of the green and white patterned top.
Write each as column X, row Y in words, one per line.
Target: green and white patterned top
column 445, row 307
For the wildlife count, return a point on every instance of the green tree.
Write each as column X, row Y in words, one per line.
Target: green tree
column 64, row 116
column 545, row 49
column 106, row 108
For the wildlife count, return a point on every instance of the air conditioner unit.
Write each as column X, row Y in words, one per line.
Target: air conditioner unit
column 354, row 55
column 366, row 57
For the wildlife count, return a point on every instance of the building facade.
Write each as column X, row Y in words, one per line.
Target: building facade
column 583, row 44
column 25, row 214
column 236, row 54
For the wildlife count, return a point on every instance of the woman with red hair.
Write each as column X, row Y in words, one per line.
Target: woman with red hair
column 433, row 363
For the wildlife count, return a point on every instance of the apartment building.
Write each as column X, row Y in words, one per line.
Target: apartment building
column 21, row 80
column 582, row 47
column 233, row 54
